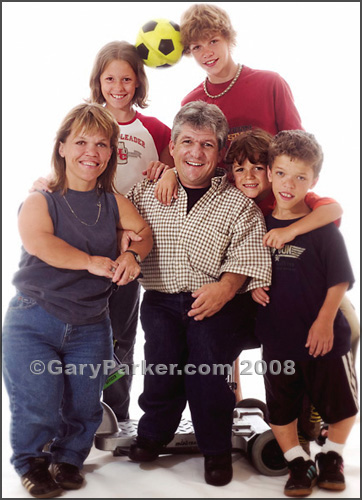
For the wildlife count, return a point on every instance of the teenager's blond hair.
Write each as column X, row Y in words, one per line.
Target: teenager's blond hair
column 203, row 21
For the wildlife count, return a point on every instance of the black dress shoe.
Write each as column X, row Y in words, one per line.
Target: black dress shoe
column 67, row 476
column 144, row 450
column 218, row 469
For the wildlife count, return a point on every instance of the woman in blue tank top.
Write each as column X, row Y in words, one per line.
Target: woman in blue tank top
column 57, row 338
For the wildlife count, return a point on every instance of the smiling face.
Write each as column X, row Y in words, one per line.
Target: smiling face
column 214, row 56
column 252, row 180
column 291, row 180
column 118, row 86
column 196, row 156
column 86, row 157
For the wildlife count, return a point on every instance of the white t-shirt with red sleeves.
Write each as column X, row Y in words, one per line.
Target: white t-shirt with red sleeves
column 141, row 140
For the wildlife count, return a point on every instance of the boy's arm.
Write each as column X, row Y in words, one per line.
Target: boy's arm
column 320, row 337
column 320, row 216
column 167, row 187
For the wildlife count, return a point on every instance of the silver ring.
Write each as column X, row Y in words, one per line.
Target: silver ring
column 113, row 269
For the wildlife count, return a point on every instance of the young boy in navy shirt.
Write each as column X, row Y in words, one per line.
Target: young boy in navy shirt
column 301, row 324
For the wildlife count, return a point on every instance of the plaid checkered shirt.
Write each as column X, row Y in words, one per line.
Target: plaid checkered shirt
column 221, row 233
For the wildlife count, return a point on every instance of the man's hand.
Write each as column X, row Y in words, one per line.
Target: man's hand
column 210, row 298
column 125, row 238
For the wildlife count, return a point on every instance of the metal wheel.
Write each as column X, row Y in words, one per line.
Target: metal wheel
column 266, row 455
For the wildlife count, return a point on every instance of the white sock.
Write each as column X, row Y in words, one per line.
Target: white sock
column 296, row 452
column 331, row 446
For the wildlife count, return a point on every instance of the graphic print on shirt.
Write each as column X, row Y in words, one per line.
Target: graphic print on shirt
column 290, row 251
column 122, row 153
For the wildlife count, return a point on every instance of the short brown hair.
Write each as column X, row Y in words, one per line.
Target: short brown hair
column 298, row 145
column 201, row 21
column 87, row 118
column 123, row 51
column 252, row 145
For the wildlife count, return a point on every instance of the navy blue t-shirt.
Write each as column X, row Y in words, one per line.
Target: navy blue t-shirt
column 302, row 273
column 74, row 296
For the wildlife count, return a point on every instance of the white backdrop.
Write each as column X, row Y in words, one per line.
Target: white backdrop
column 48, row 53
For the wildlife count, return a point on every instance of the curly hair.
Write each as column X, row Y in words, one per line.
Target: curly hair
column 203, row 21
column 298, row 145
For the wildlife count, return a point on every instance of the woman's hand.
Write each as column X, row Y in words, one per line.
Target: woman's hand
column 102, row 266
column 127, row 269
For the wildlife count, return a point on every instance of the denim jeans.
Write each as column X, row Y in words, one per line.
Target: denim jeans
column 123, row 311
column 50, row 372
column 173, row 338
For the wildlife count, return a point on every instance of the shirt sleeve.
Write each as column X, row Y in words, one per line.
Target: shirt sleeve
column 287, row 116
column 246, row 254
column 314, row 201
column 334, row 256
column 160, row 132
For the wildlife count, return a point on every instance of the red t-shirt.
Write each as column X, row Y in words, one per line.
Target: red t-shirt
column 259, row 98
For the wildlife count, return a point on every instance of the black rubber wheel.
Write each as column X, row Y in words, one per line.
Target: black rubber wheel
column 266, row 455
column 255, row 403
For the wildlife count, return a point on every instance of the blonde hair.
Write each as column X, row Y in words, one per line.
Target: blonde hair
column 122, row 51
column 87, row 118
column 203, row 21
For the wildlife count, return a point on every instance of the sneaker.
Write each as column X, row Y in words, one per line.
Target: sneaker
column 67, row 476
column 302, row 478
column 38, row 480
column 330, row 468
column 218, row 469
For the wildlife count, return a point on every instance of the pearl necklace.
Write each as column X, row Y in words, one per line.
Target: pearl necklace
column 240, row 67
column 99, row 205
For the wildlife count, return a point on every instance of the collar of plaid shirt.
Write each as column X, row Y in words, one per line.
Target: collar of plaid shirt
column 222, row 233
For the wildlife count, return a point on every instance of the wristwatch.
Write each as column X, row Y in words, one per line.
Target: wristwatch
column 135, row 255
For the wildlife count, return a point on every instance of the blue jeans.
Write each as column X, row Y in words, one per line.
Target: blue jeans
column 173, row 338
column 50, row 372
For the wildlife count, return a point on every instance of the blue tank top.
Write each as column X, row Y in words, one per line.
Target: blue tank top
column 74, row 296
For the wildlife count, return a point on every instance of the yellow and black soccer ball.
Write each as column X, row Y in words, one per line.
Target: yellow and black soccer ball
column 159, row 43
